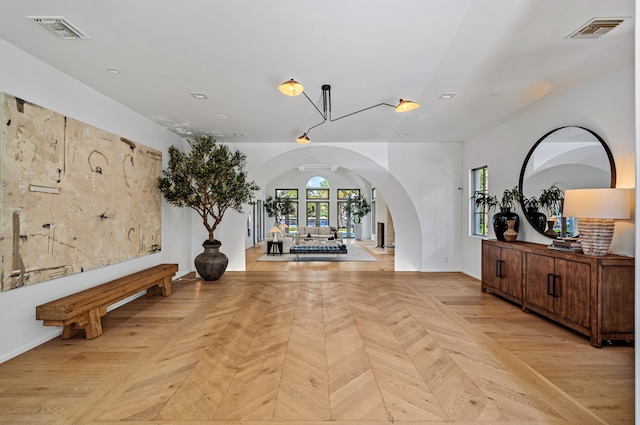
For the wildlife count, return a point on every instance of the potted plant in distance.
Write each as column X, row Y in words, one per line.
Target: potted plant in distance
column 209, row 179
column 279, row 207
column 500, row 219
column 531, row 210
column 551, row 199
column 357, row 207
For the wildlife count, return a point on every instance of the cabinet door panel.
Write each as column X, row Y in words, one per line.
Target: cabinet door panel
column 539, row 270
column 512, row 272
column 573, row 291
column 617, row 298
column 490, row 258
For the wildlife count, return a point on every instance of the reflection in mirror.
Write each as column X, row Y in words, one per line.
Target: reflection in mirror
column 569, row 158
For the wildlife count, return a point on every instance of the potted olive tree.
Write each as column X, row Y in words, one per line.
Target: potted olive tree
column 210, row 179
column 357, row 207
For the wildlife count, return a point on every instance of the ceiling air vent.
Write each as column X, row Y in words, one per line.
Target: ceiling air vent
column 60, row 27
column 596, row 28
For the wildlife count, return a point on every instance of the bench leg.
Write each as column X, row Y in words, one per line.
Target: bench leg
column 69, row 331
column 93, row 328
column 166, row 286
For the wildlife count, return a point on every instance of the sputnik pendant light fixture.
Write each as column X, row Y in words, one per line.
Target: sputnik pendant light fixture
column 294, row 88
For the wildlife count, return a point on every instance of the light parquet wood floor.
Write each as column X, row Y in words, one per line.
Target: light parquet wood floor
column 315, row 346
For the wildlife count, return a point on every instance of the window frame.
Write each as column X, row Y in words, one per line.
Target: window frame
column 320, row 191
column 346, row 193
column 287, row 192
column 478, row 216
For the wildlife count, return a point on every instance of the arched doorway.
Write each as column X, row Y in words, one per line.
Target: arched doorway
column 408, row 250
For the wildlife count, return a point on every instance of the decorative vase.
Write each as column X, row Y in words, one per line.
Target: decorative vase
column 211, row 264
column 500, row 222
column 537, row 219
column 510, row 234
column 550, row 232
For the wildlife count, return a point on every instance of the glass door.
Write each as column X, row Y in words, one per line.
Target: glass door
column 317, row 213
column 344, row 221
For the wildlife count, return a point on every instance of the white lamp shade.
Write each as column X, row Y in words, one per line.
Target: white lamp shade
column 609, row 203
column 274, row 229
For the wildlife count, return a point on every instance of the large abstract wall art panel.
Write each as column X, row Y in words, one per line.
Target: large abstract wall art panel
column 73, row 197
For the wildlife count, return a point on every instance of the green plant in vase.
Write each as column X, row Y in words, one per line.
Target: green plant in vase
column 357, row 207
column 508, row 200
column 279, row 207
column 551, row 199
column 532, row 212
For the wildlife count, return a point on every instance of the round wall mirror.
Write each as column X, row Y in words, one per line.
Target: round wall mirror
column 565, row 158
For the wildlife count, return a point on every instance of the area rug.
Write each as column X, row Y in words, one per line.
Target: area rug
column 354, row 253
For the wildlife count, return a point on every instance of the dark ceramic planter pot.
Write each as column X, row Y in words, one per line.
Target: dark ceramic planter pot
column 211, row 264
column 537, row 219
column 500, row 220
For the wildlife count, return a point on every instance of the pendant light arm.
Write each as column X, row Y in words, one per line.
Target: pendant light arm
column 319, row 124
column 324, row 116
column 357, row 112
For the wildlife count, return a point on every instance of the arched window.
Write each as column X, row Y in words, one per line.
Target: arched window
column 317, row 182
column 318, row 202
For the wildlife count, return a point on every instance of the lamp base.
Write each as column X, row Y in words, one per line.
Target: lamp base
column 595, row 235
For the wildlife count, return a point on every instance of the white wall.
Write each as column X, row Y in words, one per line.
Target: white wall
column 605, row 106
column 23, row 76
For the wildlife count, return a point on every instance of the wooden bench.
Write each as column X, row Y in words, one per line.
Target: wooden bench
column 84, row 309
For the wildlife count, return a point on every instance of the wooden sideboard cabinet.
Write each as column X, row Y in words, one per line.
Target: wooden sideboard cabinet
column 502, row 268
column 592, row 295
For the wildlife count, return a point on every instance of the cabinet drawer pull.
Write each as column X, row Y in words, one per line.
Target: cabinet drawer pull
column 555, row 286
column 550, row 284
column 499, row 268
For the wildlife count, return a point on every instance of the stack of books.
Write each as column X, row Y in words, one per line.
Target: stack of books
column 567, row 245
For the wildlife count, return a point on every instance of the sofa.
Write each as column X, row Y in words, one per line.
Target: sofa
column 286, row 238
column 320, row 233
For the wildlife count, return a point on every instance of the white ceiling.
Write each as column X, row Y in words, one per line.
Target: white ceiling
column 498, row 56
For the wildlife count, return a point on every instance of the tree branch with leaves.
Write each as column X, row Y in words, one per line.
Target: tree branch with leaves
column 357, row 207
column 210, row 179
column 279, row 207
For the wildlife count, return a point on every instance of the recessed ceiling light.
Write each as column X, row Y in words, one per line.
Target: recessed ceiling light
column 113, row 70
column 199, row 96
column 221, row 117
column 423, row 117
column 449, row 95
column 238, row 134
column 495, row 93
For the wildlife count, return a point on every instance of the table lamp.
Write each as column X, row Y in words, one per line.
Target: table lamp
column 275, row 230
column 596, row 210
